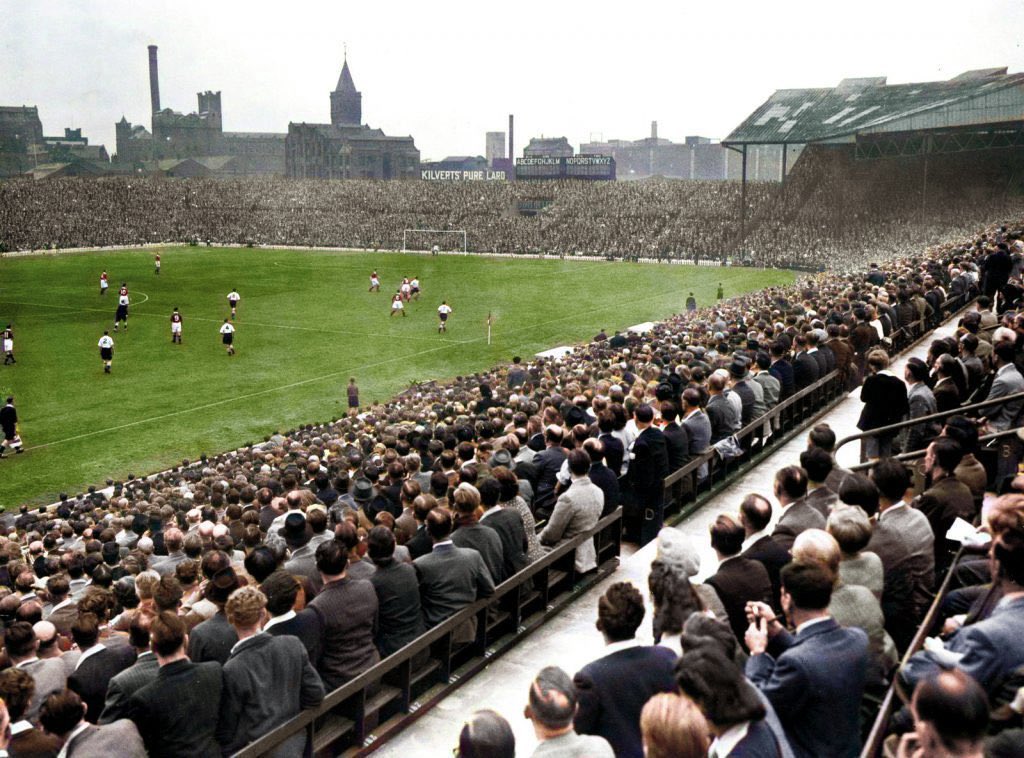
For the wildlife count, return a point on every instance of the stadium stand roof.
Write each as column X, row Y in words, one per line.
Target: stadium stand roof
column 870, row 106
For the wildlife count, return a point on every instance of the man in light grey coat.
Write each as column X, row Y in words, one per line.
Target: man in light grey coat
column 63, row 715
column 576, row 511
column 551, row 707
column 921, row 401
column 49, row 674
column 1008, row 381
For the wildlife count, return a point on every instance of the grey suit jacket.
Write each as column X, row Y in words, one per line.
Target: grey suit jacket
column 698, row 426
column 796, row 518
column 1008, row 381
column 577, row 510
column 450, row 578
column 922, row 403
column 574, row 745
column 822, row 500
column 50, row 676
column 856, row 606
column 771, row 386
column 120, row 738
column 905, row 534
column 267, row 680
column 127, row 683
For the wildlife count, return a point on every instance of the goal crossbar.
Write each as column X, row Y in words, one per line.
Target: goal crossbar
column 407, row 232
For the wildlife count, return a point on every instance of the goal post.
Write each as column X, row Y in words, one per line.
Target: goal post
column 425, row 239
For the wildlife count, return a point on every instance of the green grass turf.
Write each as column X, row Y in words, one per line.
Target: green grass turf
column 306, row 323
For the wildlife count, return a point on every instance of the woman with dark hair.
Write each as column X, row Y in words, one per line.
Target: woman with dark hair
column 731, row 706
column 486, row 735
column 701, row 632
column 675, row 599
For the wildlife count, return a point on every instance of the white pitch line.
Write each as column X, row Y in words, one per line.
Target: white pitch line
column 236, row 398
column 250, row 323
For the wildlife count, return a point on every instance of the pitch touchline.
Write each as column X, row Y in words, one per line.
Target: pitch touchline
column 248, row 323
column 216, row 403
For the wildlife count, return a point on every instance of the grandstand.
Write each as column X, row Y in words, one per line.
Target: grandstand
column 945, row 298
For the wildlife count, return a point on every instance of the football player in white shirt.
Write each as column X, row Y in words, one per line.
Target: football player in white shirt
column 406, row 289
column 8, row 340
column 233, row 298
column 106, row 345
column 227, row 332
column 443, row 311
column 176, row 327
column 122, row 307
column 414, row 288
column 104, row 283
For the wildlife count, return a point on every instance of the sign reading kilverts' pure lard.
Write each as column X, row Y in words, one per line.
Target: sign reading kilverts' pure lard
column 462, row 176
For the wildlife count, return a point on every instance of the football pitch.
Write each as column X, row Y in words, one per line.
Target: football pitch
column 306, row 323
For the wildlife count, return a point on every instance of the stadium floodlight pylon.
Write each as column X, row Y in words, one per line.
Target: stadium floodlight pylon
column 442, row 240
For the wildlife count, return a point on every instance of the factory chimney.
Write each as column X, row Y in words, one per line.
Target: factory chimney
column 154, row 80
column 511, row 141
column 654, row 131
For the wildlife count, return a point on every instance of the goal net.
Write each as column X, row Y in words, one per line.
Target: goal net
column 426, row 239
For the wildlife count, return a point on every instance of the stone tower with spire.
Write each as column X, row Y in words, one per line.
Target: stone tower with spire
column 346, row 102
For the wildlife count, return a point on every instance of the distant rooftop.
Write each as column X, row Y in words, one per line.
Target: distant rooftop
column 867, row 105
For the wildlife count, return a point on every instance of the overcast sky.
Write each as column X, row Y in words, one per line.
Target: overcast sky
column 446, row 72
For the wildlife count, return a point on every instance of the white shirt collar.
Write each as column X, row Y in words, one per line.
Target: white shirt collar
column 242, row 642
column 615, row 647
column 893, row 507
column 442, row 542
column 20, row 726
column 74, row 733
column 727, row 741
column 66, row 601
column 279, row 619
column 489, row 512
column 749, row 541
column 97, row 648
column 812, row 622
column 23, row 664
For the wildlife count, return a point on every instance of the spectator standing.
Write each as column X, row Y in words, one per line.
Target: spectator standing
column 648, row 467
column 348, row 608
column 450, row 577
column 212, row 640
column 486, row 735
column 282, row 591
column 400, row 619
column 613, row 689
column 738, row 580
column 267, row 680
column 885, row 402
column 814, row 677
column 177, row 713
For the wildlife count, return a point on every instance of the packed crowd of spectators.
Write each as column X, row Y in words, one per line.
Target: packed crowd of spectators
column 191, row 611
column 834, row 213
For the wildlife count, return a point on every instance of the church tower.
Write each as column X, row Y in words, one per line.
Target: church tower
column 346, row 102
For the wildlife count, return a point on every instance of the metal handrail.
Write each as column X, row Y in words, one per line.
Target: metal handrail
column 964, row 409
column 754, row 426
column 873, row 744
column 915, row 454
column 369, row 679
